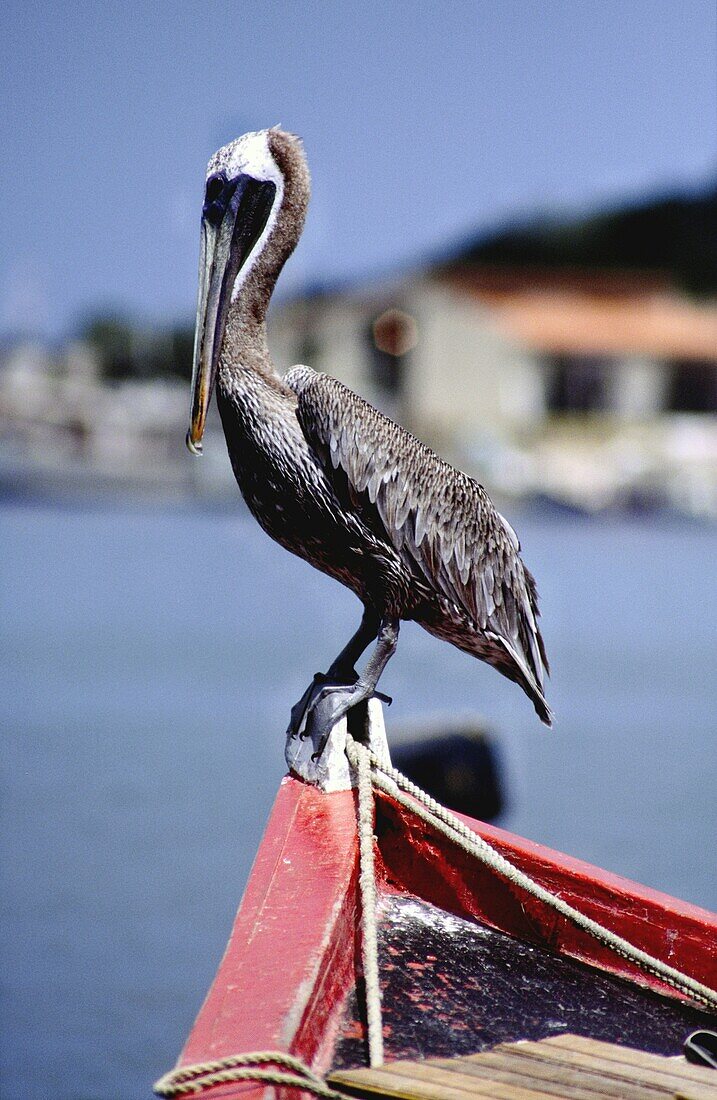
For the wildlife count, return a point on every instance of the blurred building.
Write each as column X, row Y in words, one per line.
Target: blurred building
column 65, row 430
column 546, row 362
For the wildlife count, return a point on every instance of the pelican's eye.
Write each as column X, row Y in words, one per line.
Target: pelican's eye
column 217, row 197
column 215, row 186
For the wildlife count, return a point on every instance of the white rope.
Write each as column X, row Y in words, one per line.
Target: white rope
column 367, row 887
column 188, row 1080
column 454, row 829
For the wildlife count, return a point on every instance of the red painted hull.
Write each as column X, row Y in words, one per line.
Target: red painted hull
column 290, row 962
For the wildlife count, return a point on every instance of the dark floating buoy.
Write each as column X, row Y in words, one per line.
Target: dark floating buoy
column 459, row 765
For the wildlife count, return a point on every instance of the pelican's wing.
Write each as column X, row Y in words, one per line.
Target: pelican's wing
column 437, row 518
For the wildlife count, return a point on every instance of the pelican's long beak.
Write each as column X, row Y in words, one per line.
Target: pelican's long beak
column 231, row 226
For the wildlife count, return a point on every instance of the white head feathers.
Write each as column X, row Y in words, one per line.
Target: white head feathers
column 250, row 155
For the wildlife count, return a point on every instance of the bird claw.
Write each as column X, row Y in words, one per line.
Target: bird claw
column 323, row 704
column 298, row 721
column 330, row 704
column 325, row 710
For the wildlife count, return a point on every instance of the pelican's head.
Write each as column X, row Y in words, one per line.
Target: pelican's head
column 243, row 193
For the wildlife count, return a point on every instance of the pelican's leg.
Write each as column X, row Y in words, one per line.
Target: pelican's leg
column 341, row 671
column 332, row 701
column 342, row 668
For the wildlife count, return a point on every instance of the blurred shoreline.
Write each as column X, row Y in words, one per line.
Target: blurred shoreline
column 95, row 443
column 567, row 365
column 142, row 477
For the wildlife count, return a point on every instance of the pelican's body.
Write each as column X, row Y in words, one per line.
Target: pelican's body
column 328, row 476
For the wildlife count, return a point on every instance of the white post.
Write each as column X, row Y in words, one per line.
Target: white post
column 331, row 771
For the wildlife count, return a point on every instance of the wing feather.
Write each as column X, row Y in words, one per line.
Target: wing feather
column 437, row 518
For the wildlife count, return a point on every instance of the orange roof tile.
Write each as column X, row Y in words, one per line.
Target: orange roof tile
column 564, row 320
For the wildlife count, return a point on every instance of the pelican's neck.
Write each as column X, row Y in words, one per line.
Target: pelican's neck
column 245, row 341
column 245, row 346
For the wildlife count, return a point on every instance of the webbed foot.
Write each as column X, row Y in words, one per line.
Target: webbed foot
column 333, row 679
column 329, row 704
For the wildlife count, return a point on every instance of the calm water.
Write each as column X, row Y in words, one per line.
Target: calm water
column 149, row 662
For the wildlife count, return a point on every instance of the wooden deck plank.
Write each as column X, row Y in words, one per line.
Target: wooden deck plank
column 653, row 1079
column 575, row 1083
column 440, row 1079
column 542, row 1079
column 377, row 1083
column 384, row 1081
column 637, row 1057
column 567, row 1066
column 423, row 1081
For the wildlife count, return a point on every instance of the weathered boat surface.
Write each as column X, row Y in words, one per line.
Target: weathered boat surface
column 467, row 960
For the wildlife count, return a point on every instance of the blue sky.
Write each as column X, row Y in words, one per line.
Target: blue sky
column 421, row 122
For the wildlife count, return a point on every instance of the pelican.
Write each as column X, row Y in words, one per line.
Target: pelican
column 331, row 478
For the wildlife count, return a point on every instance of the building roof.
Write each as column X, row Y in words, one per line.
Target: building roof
column 594, row 315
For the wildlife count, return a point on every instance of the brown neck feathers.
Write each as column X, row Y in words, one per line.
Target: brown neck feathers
column 246, row 319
